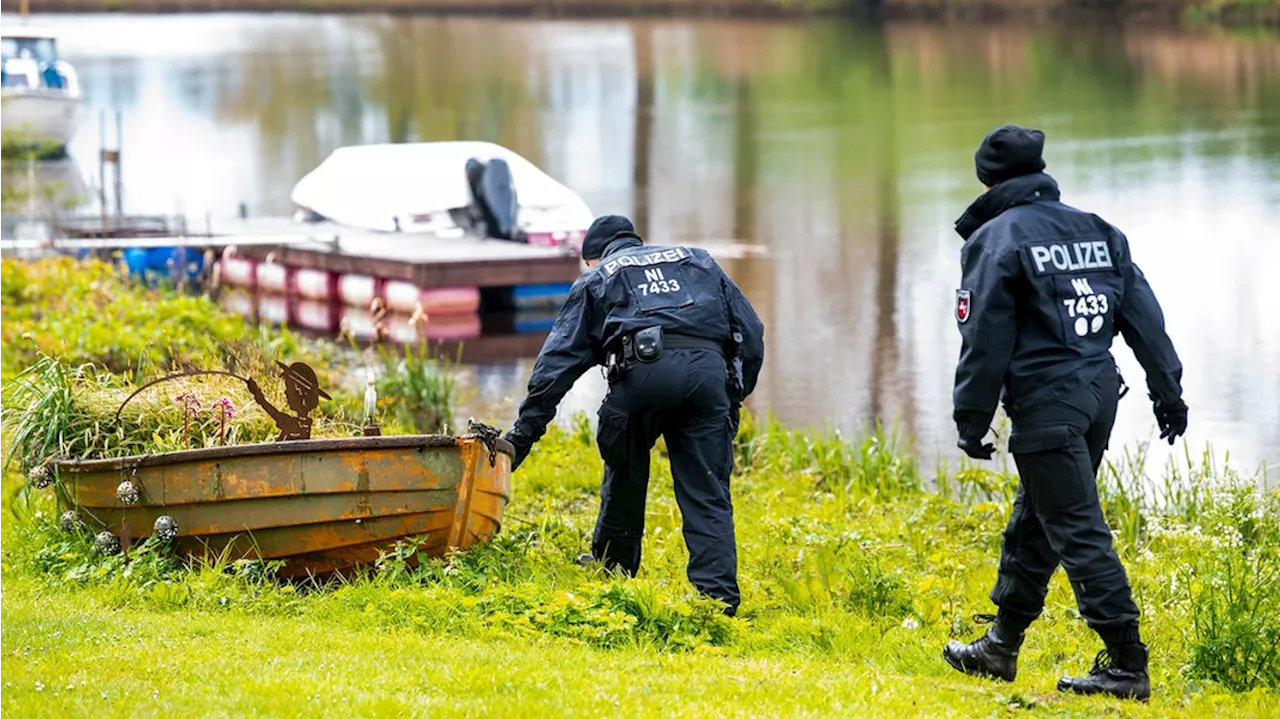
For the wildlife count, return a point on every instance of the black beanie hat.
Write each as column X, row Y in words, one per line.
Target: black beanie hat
column 604, row 230
column 1007, row 152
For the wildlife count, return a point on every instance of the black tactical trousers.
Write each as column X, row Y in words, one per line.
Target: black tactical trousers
column 681, row 396
column 1056, row 517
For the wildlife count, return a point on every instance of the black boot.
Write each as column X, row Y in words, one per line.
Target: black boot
column 1120, row 671
column 585, row 560
column 995, row 654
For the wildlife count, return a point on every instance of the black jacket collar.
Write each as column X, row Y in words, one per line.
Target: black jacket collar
column 620, row 242
column 1021, row 190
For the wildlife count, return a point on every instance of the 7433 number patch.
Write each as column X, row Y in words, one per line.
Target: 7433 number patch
column 658, row 288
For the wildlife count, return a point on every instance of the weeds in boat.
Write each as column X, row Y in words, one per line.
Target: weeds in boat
column 415, row 387
column 419, row 387
column 56, row 411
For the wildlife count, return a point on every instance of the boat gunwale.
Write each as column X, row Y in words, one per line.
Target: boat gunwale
column 266, row 449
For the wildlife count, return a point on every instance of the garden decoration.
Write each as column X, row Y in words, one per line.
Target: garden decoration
column 301, row 390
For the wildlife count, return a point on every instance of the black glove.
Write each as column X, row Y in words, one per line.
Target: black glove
column 1172, row 419
column 971, row 434
column 974, row 447
column 522, row 447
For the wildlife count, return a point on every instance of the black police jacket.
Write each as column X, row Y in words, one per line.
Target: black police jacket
column 635, row 286
column 1045, row 288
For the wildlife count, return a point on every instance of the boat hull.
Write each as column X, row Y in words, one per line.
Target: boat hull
column 42, row 117
column 321, row 506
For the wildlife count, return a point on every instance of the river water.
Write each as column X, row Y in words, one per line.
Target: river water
column 839, row 155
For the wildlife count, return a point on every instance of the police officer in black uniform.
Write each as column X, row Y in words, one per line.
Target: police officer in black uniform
column 682, row 348
column 1045, row 288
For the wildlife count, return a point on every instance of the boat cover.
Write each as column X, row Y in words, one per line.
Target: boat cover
column 382, row 187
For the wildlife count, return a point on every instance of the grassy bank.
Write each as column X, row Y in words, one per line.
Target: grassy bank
column 853, row 576
column 1228, row 12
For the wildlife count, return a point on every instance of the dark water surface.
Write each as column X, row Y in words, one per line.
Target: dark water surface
column 842, row 153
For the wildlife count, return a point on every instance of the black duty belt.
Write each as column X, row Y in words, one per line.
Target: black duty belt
column 671, row 341
column 685, row 342
column 619, row 360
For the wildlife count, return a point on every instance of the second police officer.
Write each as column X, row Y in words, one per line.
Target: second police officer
column 682, row 348
column 1045, row 287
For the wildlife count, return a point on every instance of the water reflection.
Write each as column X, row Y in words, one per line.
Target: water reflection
column 44, row 190
column 846, row 151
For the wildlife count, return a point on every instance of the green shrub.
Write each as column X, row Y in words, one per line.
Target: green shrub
column 420, row 387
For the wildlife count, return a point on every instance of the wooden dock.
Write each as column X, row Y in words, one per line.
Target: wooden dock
column 485, row 348
column 490, row 299
column 427, row 261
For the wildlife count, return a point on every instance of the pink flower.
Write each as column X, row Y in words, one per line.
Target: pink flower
column 191, row 403
column 225, row 409
column 190, row 400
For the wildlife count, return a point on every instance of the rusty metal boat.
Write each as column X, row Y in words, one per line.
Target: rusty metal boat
column 323, row 506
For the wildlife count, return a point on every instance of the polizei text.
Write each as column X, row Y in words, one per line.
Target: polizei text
column 1053, row 258
column 674, row 254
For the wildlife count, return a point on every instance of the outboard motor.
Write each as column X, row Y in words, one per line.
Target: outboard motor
column 50, row 75
column 493, row 192
column 475, row 170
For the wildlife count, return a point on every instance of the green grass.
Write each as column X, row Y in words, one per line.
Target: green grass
column 94, row 661
column 84, row 658
column 850, row 591
column 853, row 574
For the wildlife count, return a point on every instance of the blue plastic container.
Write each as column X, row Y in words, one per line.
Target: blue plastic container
column 537, row 297
column 164, row 262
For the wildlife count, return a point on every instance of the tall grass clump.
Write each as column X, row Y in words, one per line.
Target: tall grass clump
column 420, row 387
column 1227, row 581
column 65, row 558
column 875, row 465
column 57, row 411
column 1131, row 495
column 522, row 584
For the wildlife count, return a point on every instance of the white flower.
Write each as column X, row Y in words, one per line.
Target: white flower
column 910, row 623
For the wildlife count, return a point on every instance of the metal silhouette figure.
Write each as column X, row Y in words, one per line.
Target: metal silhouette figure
column 301, row 391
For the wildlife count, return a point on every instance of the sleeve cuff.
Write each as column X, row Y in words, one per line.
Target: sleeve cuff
column 972, row 423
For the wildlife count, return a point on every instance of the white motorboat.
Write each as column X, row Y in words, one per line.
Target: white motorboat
column 40, row 98
column 443, row 189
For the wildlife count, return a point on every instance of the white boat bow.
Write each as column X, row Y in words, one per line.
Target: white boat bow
column 40, row 96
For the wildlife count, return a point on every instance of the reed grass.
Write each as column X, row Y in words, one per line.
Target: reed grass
column 420, row 387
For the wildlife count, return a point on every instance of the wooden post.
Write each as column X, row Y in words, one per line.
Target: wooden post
column 642, row 135
column 102, row 169
column 119, row 151
column 112, row 157
column 31, row 187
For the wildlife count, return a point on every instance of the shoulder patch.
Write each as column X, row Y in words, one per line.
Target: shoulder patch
column 964, row 305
